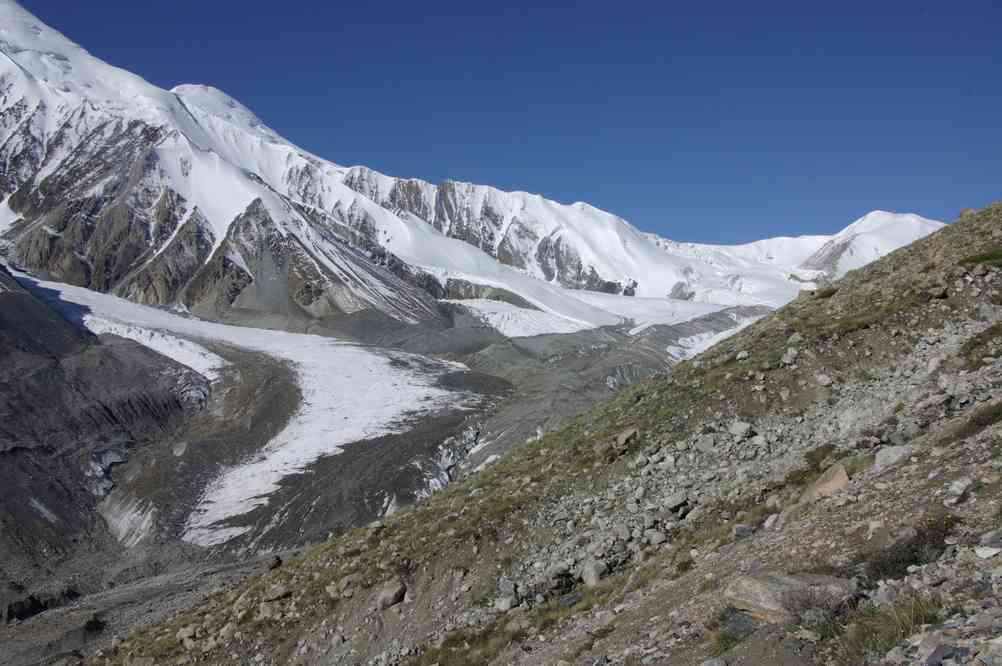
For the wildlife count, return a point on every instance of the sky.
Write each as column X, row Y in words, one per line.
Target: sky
column 711, row 121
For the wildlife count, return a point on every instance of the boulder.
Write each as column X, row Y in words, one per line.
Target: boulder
column 592, row 572
column 676, row 501
column 706, row 444
column 740, row 429
column 276, row 592
column 834, row 479
column 742, row 530
column 391, row 594
column 627, row 437
column 772, row 596
column 890, row 456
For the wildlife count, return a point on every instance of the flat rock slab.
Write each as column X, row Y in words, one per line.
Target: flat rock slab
column 770, row 596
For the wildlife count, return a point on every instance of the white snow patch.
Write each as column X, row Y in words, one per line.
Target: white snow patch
column 516, row 322
column 129, row 519
column 185, row 352
column 7, row 216
column 695, row 344
column 645, row 312
column 43, row 510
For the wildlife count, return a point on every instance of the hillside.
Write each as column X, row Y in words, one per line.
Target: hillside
column 822, row 485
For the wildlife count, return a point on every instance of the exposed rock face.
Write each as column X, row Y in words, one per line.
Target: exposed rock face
column 72, row 406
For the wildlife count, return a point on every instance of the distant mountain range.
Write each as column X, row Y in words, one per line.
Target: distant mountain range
column 185, row 198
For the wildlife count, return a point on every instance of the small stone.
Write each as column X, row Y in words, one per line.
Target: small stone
column 890, row 456
column 832, row 481
column 592, row 572
column 987, row 552
column 676, row 501
column 276, row 592
column 627, row 437
column 655, row 537
column 742, row 356
column 742, row 530
column 504, row 604
column 740, row 429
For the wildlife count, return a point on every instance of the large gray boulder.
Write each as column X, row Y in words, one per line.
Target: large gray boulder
column 775, row 597
column 391, row 594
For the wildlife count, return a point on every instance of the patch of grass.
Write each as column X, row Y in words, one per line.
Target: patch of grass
column 975, row 348
column 983, row 417
column 465, row 648
column 924, row 546
column 992, row 258
column 723, row 641
column 858, row 464
column 728, row 628
column 555, row 611
column 643, row 576
column 873, row 629
column 817, row 611
column 808, row 474
column 708, row 584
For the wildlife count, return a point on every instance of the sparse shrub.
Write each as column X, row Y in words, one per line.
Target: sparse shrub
column 983, row 417
column 992, row 258
column 974, row 349
column 723, row 641
column 816, row 610
column 728, row 628
column 873, row 629
column 924, row 546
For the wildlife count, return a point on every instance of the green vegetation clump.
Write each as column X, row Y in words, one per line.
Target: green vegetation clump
column 873, row 629
column 467, row 648
column 975, row 348
column 983, row 417
column 924, row 546
column 992, row 258
column 723, row 641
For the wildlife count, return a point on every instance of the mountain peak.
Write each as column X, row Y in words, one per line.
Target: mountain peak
column 218, row 104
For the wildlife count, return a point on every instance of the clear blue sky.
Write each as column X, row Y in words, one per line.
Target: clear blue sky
column 711, row 121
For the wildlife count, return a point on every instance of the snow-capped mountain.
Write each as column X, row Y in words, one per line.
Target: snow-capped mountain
column 867, row 239
column 186, row 198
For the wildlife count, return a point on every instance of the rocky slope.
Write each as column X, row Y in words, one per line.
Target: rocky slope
column 823, row 487
column 72, row 407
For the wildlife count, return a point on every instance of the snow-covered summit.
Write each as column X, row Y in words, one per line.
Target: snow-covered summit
column 187, row 197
